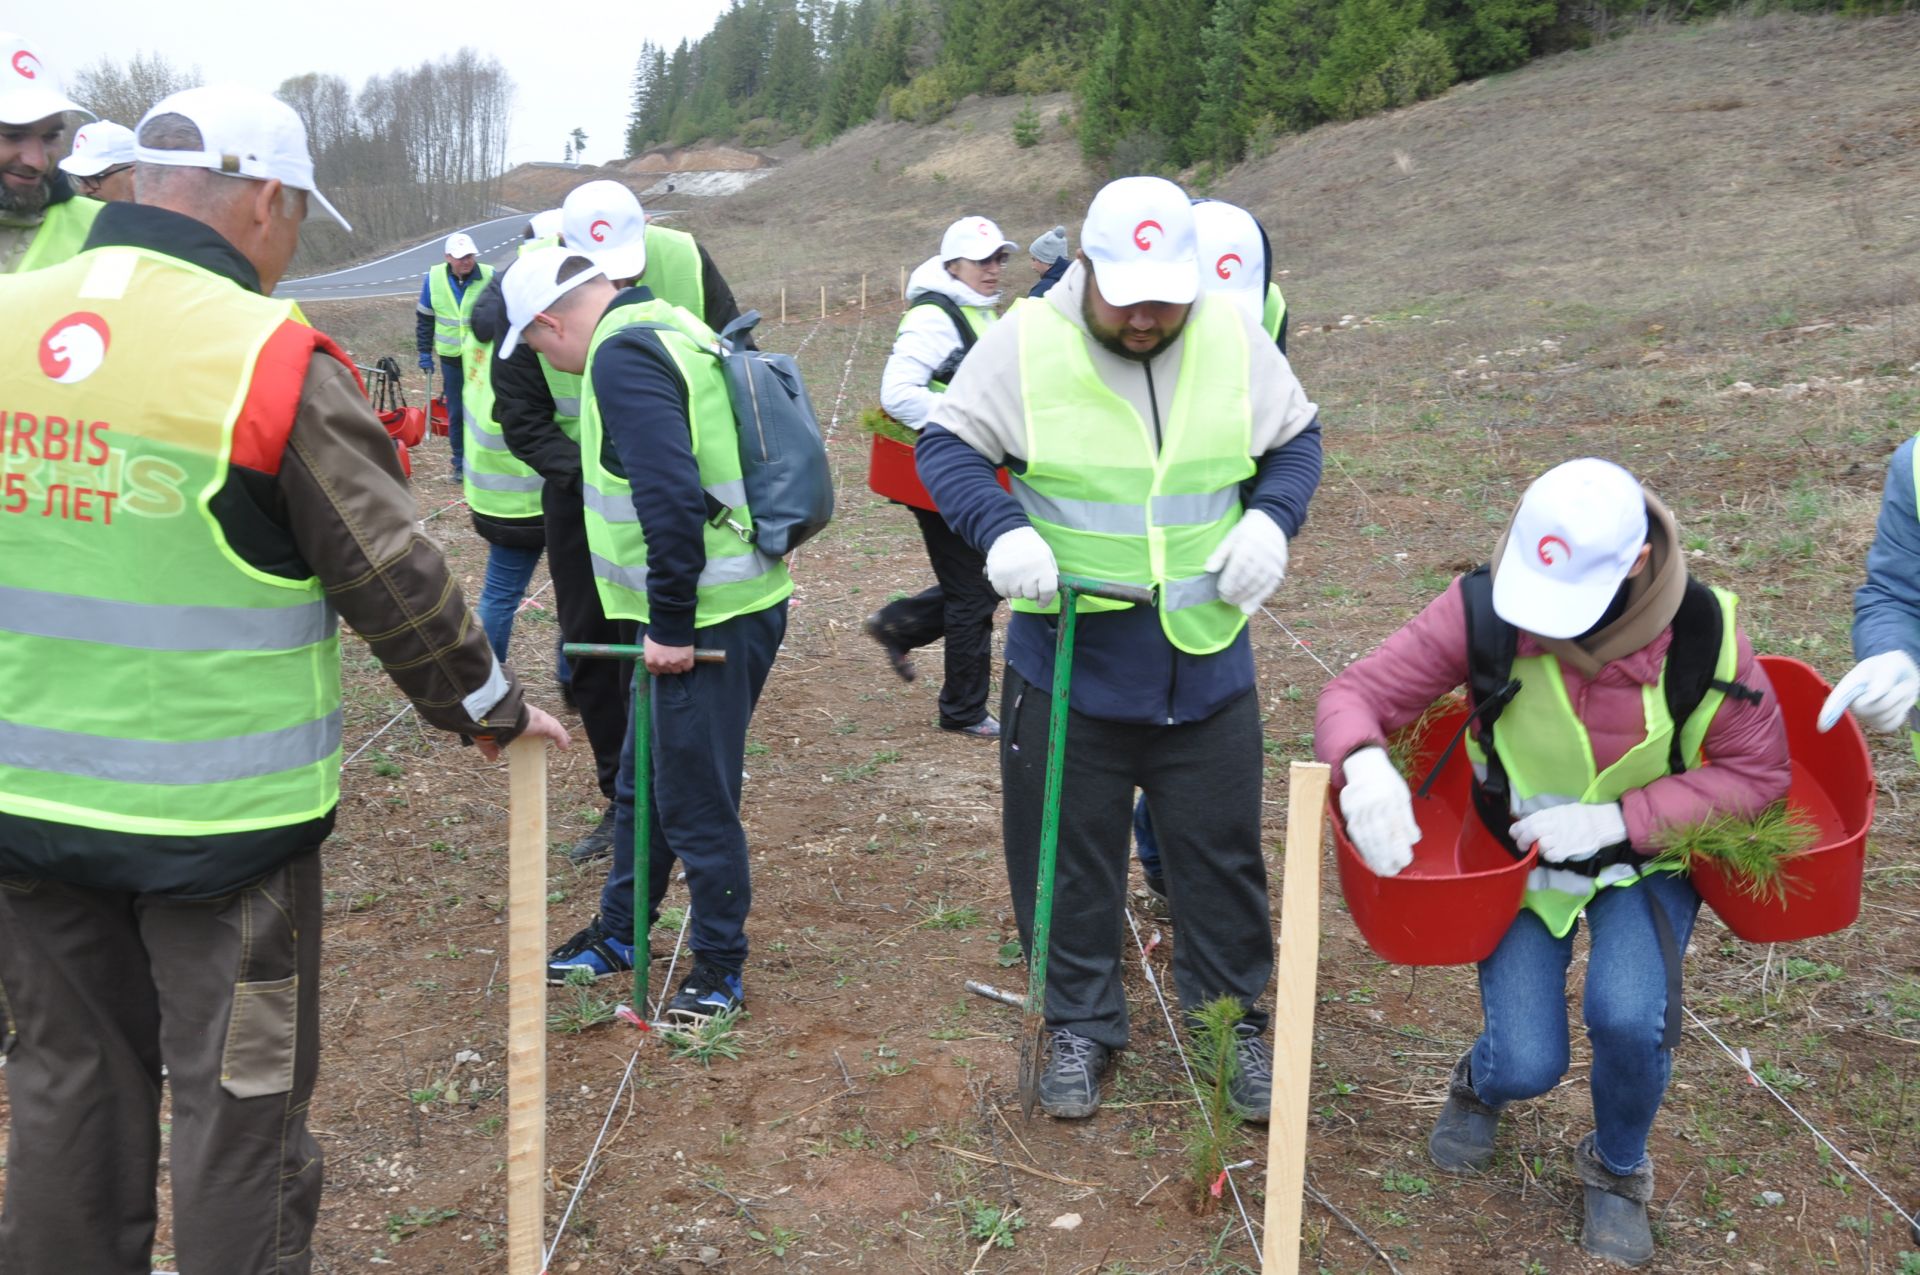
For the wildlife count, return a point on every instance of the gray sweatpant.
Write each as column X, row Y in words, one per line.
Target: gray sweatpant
column 100, row 989
column 1202, row 780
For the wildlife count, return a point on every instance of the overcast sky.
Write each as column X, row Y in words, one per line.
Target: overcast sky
column 564, row 77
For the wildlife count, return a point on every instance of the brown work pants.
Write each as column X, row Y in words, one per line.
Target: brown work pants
column 101, row 989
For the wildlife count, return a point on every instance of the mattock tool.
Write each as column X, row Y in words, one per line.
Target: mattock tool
column 1033, row 1022
column 642, row 802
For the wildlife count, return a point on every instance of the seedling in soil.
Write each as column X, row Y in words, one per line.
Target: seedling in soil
column 1217, row 1060
column 401, row 1225
column 1754, row 852
column 989, row 1223
column 1405, row 1183
column 578, row 1009
column 776, row 1240
column 942, row 916
column 716, row 1038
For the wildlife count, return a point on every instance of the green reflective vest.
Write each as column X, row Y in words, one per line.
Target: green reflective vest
column 152, row 681
column 450, row 317
column 535, row 245
column 1111, row 504
column 738, row 579
column 61, row 233
column 498, row 484
column 673, row 271
column 1275, row 317
column 1549, row 758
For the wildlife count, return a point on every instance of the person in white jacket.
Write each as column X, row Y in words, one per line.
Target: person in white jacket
column 951, row 300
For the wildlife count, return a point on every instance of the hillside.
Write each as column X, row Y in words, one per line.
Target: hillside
column 1696, row 251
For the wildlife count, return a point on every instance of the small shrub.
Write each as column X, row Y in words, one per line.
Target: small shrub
column 1026, row 127
column 1048, row 69
column 925, row 98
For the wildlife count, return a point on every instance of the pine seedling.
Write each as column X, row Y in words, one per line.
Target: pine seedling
column 1753, row 852
column 717, row 1037
column 875, row 421
column 1401, row 744
column 1216, row 1060
column 578, row 1010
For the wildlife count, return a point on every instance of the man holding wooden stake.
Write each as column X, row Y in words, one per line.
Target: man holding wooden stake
column 1131, row 416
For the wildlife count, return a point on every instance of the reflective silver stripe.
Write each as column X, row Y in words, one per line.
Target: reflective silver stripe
column 176, row 763
column 612, row 508
column 504, row 482
column 731, row 570
column 731, row 494
column 1194, row 510
column 1081, row 515
column 143, row 626
column 481, row 701
column 1192, row 591
column 567, row 407
column 481, row 436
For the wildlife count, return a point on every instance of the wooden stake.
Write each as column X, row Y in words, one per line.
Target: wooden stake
column 863, row 291
column 823, row 301
column 526, row 1004
column 1296, row 971
column 783, row 305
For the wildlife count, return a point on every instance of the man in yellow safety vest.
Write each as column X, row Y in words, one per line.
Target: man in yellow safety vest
column 447, row 297
column 42, row 221
column 185, row 511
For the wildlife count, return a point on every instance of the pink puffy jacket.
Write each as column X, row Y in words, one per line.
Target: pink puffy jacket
column 1427, row 658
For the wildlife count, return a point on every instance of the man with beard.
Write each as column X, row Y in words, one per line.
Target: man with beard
column 1156, row 440
column 42, row 221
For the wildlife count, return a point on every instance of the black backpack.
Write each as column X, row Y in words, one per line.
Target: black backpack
column 947, row 306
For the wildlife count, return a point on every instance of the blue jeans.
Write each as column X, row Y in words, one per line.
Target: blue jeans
column 1523, row 992
column 451, row 380
column 699, row 744
column 508, row 571
column 1145, row 846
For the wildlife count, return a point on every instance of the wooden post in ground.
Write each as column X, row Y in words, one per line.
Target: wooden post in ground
column 1296, row 971
column 863, row 292
column 823, row 300
column 526, row 1004
column 783, row 304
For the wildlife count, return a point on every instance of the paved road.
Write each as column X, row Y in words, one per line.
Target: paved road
column 399, row 274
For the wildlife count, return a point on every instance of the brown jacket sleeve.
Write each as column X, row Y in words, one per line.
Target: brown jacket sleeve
column 352, row 519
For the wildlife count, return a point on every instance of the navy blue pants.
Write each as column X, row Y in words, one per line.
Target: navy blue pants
column 451, row 382
column 699, row 746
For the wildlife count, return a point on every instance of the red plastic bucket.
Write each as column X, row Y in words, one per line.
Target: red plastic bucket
column 890, row 473
column 437, row 415
column 1832, row 788
column 1456, row 900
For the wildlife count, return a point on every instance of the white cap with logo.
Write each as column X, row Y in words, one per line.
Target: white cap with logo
column 973, row 239
column 546, row 224
column 603, row 220
column 97, row 147
column 461, row 244
column 533, row 284
column 244, row 132
column 1233, row 255
column 29, row 92
column 1139, row 237
column 1575, row 537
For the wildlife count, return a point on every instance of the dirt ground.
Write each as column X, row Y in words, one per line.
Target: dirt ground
column 870, row 1120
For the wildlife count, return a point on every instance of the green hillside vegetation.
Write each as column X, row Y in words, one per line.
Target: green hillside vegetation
column 1161, row 85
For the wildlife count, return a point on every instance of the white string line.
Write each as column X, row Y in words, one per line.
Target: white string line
column 1743, row 1060
column 586, row 1172
column 1296, row 640
column 1346, row 473
column 1153, row 982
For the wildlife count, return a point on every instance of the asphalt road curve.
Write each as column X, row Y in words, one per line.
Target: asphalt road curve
column 399, row 274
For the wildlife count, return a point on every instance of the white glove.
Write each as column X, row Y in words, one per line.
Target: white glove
column 1379, row 811
column 1880, row 689
column 1020, row 565
column 1252, row 561
column 1570, row 833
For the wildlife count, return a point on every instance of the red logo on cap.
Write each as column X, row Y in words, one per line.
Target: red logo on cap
column 27, row 65
column 1140, row 239
column 1548, row 556
column 73, row 349
column 1221, row 268
column 981, row 227
column 599, row 235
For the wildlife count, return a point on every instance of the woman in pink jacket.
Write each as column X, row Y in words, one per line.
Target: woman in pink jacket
column 1581, row 749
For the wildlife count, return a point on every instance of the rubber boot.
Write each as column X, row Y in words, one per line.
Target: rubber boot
column 1616, row 1228
column 1462, row 1138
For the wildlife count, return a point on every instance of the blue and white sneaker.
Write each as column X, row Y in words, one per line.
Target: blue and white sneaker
column 594, row 949
column 709, row 991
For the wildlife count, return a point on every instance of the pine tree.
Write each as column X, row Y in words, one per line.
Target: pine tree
column 1220, row 130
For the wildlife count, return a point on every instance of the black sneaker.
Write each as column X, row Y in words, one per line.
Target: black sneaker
column 708, row 992
column 597, row 844
column 1070, row 1086
column 1156, row 886
column 897, row 655
column 1250, row 1092
column 595, row 949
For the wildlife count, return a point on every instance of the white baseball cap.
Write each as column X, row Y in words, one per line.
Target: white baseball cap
column 97, row 147
column 545, row 223
column 603, row 220
column 244, row 132
column 461, row 244
column 532, row 284
column 29, row 92
column 1233, row 255
column 975, row 239
column 1577, row 533
column 1139, row 237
